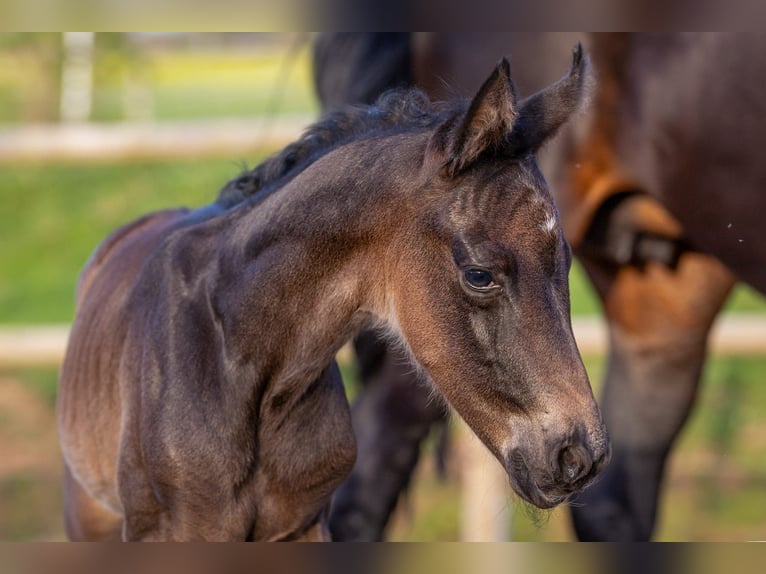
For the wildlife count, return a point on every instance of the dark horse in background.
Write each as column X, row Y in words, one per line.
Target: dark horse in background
column 199, row 398
column 662, row 191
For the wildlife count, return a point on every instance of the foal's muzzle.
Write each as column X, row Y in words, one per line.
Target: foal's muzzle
column 570, row 466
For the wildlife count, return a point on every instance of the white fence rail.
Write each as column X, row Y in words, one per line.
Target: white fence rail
column 32, row 346
column 732, row 335
column 127, row 141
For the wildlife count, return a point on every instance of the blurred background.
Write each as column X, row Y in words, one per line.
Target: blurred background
column 96, row 129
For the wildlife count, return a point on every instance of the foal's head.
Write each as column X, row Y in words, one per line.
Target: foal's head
column 479, row 288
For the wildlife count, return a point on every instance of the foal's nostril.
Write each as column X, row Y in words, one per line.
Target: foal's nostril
column 574, row 463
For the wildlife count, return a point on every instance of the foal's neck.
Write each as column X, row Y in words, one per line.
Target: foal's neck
column 304, row 269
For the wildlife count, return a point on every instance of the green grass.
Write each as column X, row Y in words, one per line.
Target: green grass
column 745, row 299
column 26, row 506
column 42, row 381
column 53, row 217
column 213, row 85
column 249, row 84
column 584, row 299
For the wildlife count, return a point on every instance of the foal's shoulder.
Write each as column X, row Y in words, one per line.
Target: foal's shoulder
column 147, row 225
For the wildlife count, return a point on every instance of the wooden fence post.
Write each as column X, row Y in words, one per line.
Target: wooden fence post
column 77, row 77
column 486, row 506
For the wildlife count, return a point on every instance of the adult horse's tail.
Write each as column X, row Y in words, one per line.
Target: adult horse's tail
column 351, row 68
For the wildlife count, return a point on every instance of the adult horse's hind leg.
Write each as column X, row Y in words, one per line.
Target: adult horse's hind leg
column 659, row 319
column 86, row 519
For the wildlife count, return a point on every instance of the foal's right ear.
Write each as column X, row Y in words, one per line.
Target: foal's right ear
column 485, row 125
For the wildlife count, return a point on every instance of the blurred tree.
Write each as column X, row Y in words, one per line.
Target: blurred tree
column 29, row 90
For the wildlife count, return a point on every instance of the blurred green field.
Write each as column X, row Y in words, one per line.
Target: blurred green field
column 267, row 75
column 53, row 216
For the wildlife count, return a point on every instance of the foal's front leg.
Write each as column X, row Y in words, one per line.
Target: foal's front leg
column 175, row 486
column 659, row 319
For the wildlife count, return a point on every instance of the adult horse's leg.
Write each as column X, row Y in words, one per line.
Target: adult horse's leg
column 660, row 299
column 659, row 318
column 391, row 416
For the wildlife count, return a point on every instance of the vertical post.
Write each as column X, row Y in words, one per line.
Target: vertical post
column 77, row 77
column 486, row 497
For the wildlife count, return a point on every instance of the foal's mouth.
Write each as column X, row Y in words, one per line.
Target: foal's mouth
column 525, row 486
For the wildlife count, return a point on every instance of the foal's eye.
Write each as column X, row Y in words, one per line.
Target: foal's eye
column 479, row 279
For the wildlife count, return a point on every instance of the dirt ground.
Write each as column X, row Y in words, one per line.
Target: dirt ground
column 30, row 465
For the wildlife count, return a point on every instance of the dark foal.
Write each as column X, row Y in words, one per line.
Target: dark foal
column 199, row 398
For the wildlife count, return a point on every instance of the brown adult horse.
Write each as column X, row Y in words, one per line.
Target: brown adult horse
column 199, row 398
column 658, row 185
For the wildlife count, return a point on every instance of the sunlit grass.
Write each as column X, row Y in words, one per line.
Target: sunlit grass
column 53, row 217
column 190, row 85
column 263, row 77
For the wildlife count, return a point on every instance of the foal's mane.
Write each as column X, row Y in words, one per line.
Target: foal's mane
column 395, row 109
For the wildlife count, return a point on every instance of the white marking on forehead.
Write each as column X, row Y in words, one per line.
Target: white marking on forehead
column 549, row 224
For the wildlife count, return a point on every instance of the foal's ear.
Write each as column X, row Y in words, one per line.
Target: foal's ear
column 483, row 126
column 542, row 114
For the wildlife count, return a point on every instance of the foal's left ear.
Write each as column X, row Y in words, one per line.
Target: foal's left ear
column 542, row 114
column 485, row 125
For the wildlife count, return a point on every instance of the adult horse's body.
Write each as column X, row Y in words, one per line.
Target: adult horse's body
column 661, row 189
column 199, row 398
